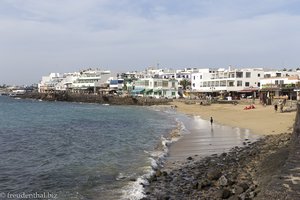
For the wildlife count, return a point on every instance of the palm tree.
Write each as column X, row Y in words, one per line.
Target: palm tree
column 184, row 83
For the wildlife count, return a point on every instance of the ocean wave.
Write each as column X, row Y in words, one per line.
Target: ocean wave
column 134, row 190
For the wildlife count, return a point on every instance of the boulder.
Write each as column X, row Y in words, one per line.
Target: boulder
column 223, row 181
column 214, row 174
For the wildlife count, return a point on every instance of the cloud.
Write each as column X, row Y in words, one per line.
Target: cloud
column 39, row 37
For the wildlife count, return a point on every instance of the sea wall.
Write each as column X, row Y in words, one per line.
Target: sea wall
column 286, row 183
column 92, row 98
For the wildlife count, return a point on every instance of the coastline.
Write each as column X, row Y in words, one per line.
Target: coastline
column 242, row 172
column 94, row 98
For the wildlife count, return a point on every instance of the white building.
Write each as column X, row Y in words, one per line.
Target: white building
column 76, row 81
column 67, row 81
column 277, row 78
column 279, row 83
column 48, row 83
column 89, row 79
column 157, row 88
column 229, row 80
column 116, row 84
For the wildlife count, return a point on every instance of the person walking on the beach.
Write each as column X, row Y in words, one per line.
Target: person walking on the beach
column 275, row 107
column 211, row 120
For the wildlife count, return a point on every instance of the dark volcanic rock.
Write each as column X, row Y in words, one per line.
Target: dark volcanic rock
column 214, row 174
column 234, row 175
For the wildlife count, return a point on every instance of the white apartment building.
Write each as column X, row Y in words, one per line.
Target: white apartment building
column 276, row 79
column 175, row 74
column 279, row 83
column 66, row 81
column 75, row 81
column 156, row 87
column 230, row 80
column 90, row 79
column 48, row 83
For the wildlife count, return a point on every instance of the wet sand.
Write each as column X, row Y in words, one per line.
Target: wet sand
column 233, row 126
column 205, row 139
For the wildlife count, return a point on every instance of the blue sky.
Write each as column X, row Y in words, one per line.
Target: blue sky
column 43, row 36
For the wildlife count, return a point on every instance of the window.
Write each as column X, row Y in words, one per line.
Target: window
column 204, row 84
column 217, row 83
column 230, row 84
column 200, row 76
column 173, row 93
column 276, row 82
column 173, row 84
column 193, row 84
column 155, row 83
column 239, row 74
column 165, row 83
column 222, row 83
column 281, row 82
column 247, row 84
column 194, row 77
column 278, row 74
column 248, row 74
column 146, row 82
column 258, row 84
column 258, row 75
column 239, row 83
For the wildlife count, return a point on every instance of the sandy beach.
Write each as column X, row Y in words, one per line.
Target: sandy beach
column 261, row 120
column 255, row 170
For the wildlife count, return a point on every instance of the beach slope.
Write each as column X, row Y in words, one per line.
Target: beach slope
column 260, row 120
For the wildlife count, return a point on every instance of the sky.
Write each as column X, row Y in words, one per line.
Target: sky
column 42, row 36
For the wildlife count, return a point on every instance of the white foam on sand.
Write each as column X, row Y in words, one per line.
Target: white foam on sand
column 135, row 190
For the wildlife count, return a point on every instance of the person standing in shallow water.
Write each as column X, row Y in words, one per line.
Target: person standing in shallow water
column 211, row 120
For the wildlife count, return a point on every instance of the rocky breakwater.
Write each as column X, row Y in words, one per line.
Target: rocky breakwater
column 92, row 98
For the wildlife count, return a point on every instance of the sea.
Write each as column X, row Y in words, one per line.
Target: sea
column 79, row 151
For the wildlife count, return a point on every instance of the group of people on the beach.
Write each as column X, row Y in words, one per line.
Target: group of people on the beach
column 281, row 104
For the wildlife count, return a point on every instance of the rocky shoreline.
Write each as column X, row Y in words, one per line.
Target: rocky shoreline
column 95, row 98
column 242, row 173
